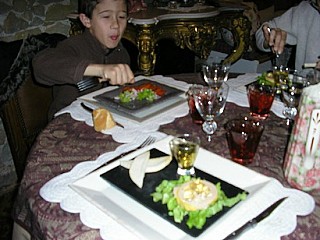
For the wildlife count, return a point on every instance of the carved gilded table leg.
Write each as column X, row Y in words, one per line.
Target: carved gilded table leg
column 240, row 27
column 146, row 47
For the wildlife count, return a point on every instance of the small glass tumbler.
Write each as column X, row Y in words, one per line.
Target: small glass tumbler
column 260, row 98
column 196, row 118
column 184, row 149
column 243, row 136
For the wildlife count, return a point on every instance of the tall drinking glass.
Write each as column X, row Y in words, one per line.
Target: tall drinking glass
column 210, row 103
column 291, row 95
column 215, row 74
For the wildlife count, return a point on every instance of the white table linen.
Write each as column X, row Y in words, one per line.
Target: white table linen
column 132, row 135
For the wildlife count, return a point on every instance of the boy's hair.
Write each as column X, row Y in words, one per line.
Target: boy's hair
column 86, row 6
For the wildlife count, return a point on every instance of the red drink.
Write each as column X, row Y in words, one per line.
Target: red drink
column 260, row 100
column 243, row 138
column 196, row 118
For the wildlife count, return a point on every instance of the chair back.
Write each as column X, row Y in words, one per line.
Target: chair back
column 24, row 104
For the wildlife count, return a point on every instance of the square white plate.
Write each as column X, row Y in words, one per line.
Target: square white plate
column 148, row 225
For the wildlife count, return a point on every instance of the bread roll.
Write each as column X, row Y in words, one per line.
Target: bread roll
column 102, row 119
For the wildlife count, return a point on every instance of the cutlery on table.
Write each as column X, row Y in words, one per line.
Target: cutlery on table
column 254, row 221
column 90, row 82
column 148, row 141
column 90, row 109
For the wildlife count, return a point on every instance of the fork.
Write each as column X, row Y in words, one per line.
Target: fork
column 148, row 141
column 87, row 82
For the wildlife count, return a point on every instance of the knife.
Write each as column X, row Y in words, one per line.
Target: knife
column 254, row 221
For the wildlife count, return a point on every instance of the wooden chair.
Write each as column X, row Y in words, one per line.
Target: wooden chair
column 24, row 104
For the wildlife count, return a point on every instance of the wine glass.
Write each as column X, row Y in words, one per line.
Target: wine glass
column 291, row 93
column 210, row 103
column 215, row 74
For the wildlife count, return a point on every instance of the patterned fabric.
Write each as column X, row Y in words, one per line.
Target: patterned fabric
column 66, row 142
column 21, row 66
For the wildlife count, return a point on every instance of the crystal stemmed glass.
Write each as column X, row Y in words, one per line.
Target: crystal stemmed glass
column 210, row 103
column 215, row 74
column 291, row 93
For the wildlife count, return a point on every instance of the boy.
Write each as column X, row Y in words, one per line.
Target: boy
column 97, row 52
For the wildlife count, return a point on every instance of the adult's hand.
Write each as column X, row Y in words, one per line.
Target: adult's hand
column 275, row 38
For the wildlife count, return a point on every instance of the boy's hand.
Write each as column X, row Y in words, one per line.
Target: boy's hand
column 116, row 74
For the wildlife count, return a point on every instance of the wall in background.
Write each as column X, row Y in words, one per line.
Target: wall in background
column 20, row 18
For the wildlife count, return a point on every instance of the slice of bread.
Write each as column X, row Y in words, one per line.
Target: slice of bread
column 102, row 119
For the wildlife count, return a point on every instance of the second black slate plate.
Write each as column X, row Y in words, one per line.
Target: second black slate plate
column 119, row 177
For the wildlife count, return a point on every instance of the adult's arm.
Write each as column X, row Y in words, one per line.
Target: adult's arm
column 288, row 22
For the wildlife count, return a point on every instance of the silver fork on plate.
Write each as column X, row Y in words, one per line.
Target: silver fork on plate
column 148, row 141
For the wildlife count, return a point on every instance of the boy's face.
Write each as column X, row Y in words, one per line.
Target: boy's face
column 108, row 22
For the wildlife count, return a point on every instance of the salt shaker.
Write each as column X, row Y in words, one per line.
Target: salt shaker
column 302, row 160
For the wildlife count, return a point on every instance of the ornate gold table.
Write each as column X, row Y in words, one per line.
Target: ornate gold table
column 197, row 29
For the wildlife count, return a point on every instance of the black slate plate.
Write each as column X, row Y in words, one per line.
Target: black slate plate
column 119, row 177
column 136, row 105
